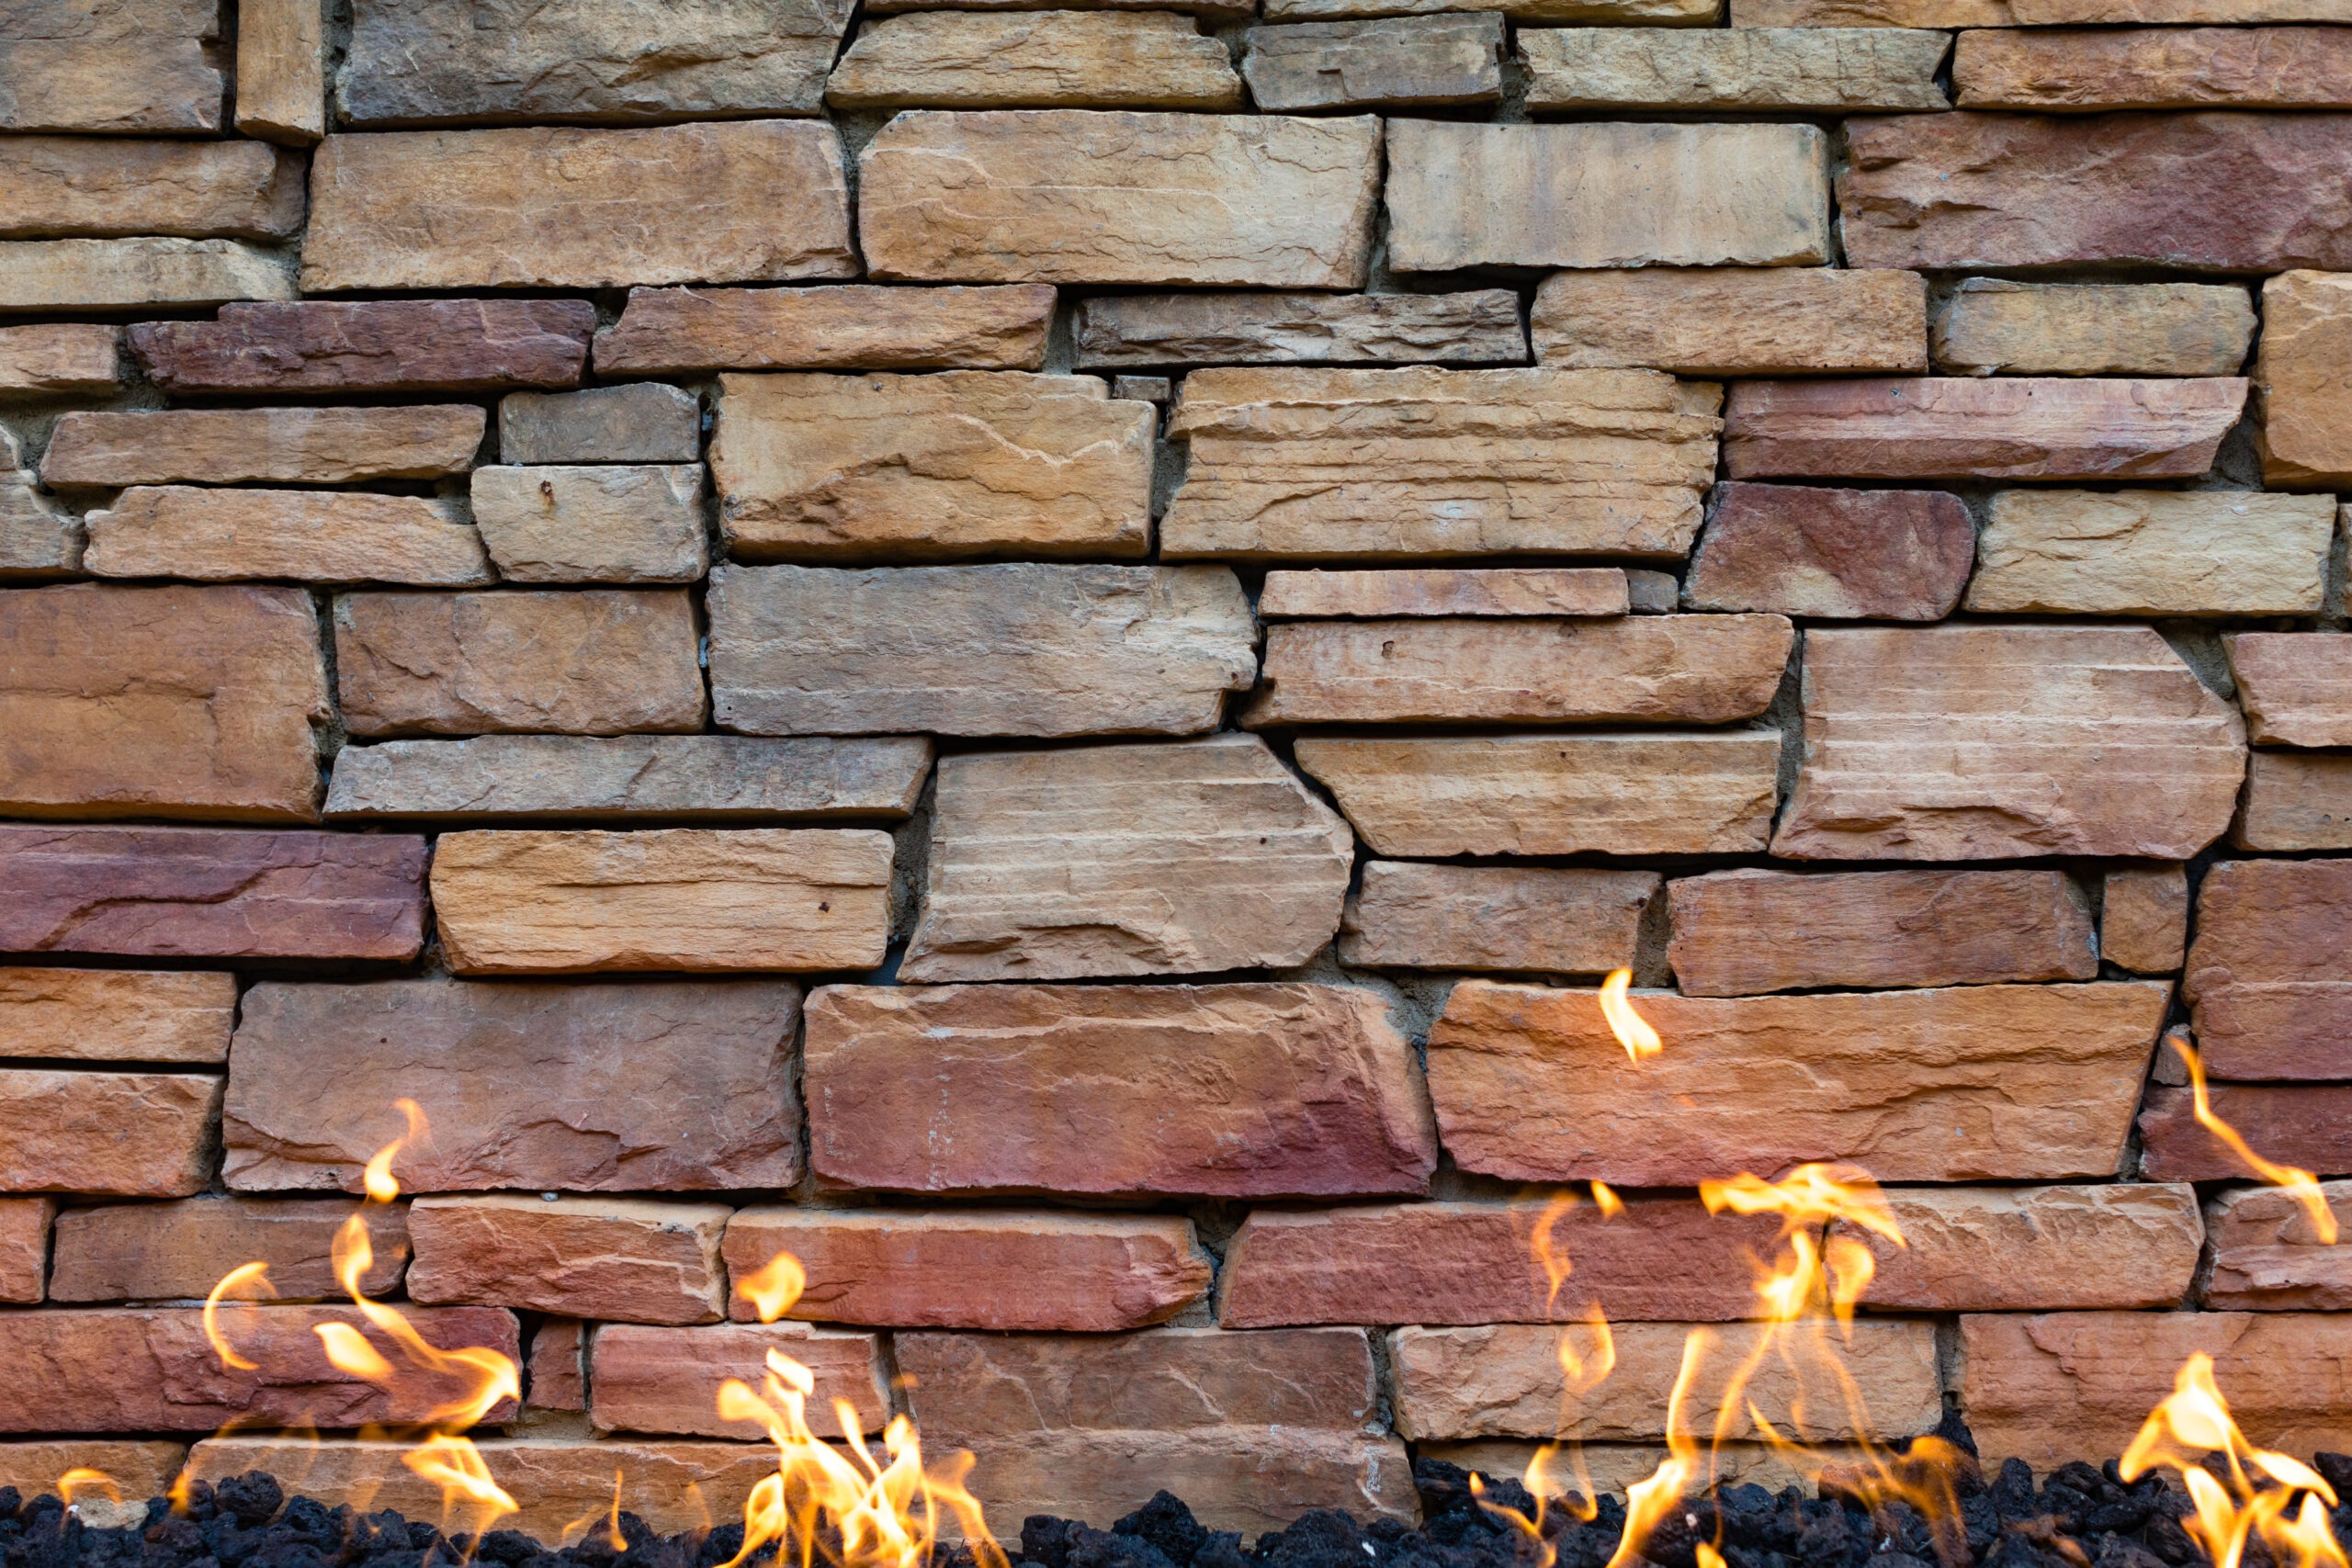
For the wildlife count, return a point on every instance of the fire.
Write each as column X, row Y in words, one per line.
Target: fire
column 2299, row 1184
column 1633, row 1031
column 2252, row 1503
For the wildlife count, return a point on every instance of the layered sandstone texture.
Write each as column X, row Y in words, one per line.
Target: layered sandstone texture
column 1043, row 657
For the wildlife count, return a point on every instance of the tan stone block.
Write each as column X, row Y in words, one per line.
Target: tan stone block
column 2296, row 687
column 718, row 202
column 2296, row 800
column 1800, row 69
column 1994, row 326
column 986, row 1269
column 1249, row 1480
column 57, row 187
column 2144, row 552
column 1373, row 465
column 2144, row 918
column 846, row 326
column 1733, row 320
column 38, row 538
column 1478, row 327
column 2270, row 974
column 2034, row 1248
column 666, row 1380
column 1968, row 742
column 1009, row 60
column 608, row 522
column 2267, row 1253
column 1691, row 669
column 1067, row 196
column 1744, row 932
column 1606, row 1470
column 1376, row 63
column 111, row 65
column 1027, row 648
column 642, row 422
column 137, row 273
column 591, row 661
column 328, row 537
column 122, row 1134
column 2044, row 1388
column 2303, row 1124
column 2153, row 68
column 1408, row 915
column 968, row 462
column 1997, row 1082
column 558, row 1368
column 1445, row 591
column 2024, row 13
column 1701, row 792
column 1606, row 194
column 23, row 1247
column 282, row 69
column 1504, row 1380
column 1601, row 12
column 139, row 1471
column 62, row 359
column 117, row 1015
column 284, row 445
column 694, row 899
column 179, row 1251
column 630, row 1259
column 1834, row 553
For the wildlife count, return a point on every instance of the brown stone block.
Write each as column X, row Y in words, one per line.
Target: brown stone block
column 1993, row 326
column 988, row 1269
column 666, row 1086
column 1898, row 555
column 2144, row 918
column 205, row 893
column 1411, row 915
column 157, row 1252
column 142, row 1470
column 376, row 346
column 2296, row 800
column 1014, row 60
column 1119, row 329
column 53, row 187
column 2300, row 377
column 2270, row 975
column 2034, row 1248
column 593, row 522
column 1999, row 1082
column 666, row 1380
column 2148, row 552
column 2024, row 13
column 2305, row 1125
column 38, row 538
column 122, row 1134
column 1987, row 741
column 1732, row 321
column 559, row 1366
column 846, row 326
column 1376, row 63
column 2268, row 1255
column 2296, row 687
column 1534, row 13
column 138, row 274
column 630, row 1259
column 1473, row 1262
column 1445, row 591
column 23, row 1247
column 592, row 663
column 642, row 422
column 294, row 446
column 281, row 70
column 64, row 359
column 1247, row 1479
column 311, row 535
column 117, row 1015
column 1289, row 1091
column 111, row 65
column 2076, row 71
column 1777, row 70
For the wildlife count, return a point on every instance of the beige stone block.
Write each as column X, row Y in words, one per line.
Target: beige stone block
column 1783, row 70
column 666, row 1380
column 2296, row 687
column 602, row 522
column 2144, row 918
column 24, row 1248
column 1606, row 1470
column 842, row 326
column 281, row 445
column 38, row 538
column 1376, row 63
column 61, row 186
column 111, row 65
column 118, row 1134
column 695, row 899
column 2296, row 800
column 627, row 1259
column 117, row 1015
column 1993, row 326
column 2268, row 1255
column 1600, row 13
column 137, row 273
column 2034, row 1248
column 718, row 202
column 2302, row 380
column 2139, row 552
column 1411, row 916
column 2076, row 70
column 1014, row 60
column 326, row 536
column 60, row 359
column 1733, row 320
column 1481, row 326
column 180, row 1250
column 1444, row 591
column 282, row 71
column 138, row 1470
column 968, row 462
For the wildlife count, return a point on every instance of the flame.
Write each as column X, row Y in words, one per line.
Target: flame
column 1632, row 1031
column 1649, row 1501
column 1605, row 1199
column 81, row 1478
column 773, row 1287
column 2299, row 1183
column 2193, row 1421
column 237, row 1279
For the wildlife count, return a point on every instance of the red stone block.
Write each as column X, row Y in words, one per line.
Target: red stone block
column 374, row 346
column 2270, row 975
column 2308, row 1125
column 1897, row 555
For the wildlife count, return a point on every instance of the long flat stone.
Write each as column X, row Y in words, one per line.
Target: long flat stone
column 1995, row 1082
column 1123, row 331
column 1733, row 320
column 1445, row 591
column 651, row 1379
column 2034, row 1248
column 1030, row 649
column 2296, row 800
column 2154, row 553
column 53, row 187
column 1781, row 70
column 1968, row 742
column 1701, row 793
column 1601, row 12
column 2026, row 13
column 2296, row 688
column 2305, row 1125
column 1833, row 553
column 551, row 208
column 377, row 346
column 2269, row 978
column 309, row 536
column 1605, row 195
column 661, row 1085
column 2167, row 68
column 617, row 1259
column 594, row 522
column 1069, row 195
column 1299, row 463
column 1376, row 63
column 492, row 778
column 118, row 1015
column 68, row 358
column 284, row 445
column 139, row 273
column 1410, row 915
column 2267, row 1254
column 1190, row 858
column 116, row 1134
column 166, row 1251
column 1009, row 60
column 1996, row 326
column 111, row 66
column 2304, row 435
column 842, row 326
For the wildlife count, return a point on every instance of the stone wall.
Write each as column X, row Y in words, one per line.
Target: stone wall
column 1040, row 655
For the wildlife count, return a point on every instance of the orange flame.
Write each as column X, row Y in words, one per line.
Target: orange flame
column 1631, row 1031
column 81, row 1478
column 237, row 1279
column 2299, row 1183
column 2193, row 1421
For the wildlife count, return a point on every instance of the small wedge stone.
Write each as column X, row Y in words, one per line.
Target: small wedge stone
column 2144, row 918
column 2296, row 687
column 282, row 71
column 2269, row 979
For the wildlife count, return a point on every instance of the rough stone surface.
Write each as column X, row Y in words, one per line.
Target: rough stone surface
column 1968, row 742
column 2309, row 1125
column 2048, row 1386
column 142, row 1470
column 2038, row 1082
column 686, row 899
column 675, row 1086
column 1733, row 320
column 593, row 662
column 151, row 1369
column 638, row 777
column 1379, row 62
column 1604, row 13
column 1289, row 1091
column 137, row 273
column 986, row 1269
column 1066, row 195
column 1543, row 795
column 662, row 1380
column 1126, row 860
column 376, row 346
column 2023, row 1248
column 2301, row 374
column 1474, row 1262
column 847, row 326
column 61, row 358
column 2296, row 691
column 1445, row 591
column 2024, row 13
column 52, row 187
column 968, row 462
column 288, row 446
column 117, row 1015
column 38, row 538
column 644, row 422
column 1994, row 326
column 2067, row 70
column 1898, row 555
column 558, row 1371
column 123, row 1134
column 1606, row 194
column 209, row 893
column 2219, row 192
column 2267, row 1254
column 2270, row 975
column 1746, row 932
column 546, row 207
column 1694, row 668
column 1119, row 329
column 2154, row 553
column 309, row 536
column 167, row 1251
column 2296, row 800
column 1014, row 60
column 1377, row 464
column 1407, row 915
column 1783, row 70
column 427, row 61
column 1029, row 650
column 2144, row 918
column 281, row 70
column 601, row 523
column 624, row 1259
column 24, row 1248
column 111, row 66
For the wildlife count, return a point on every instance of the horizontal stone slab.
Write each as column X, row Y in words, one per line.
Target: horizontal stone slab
column 642, row 422
column 2267, row 1254
column 494, row 778
column 2144, row 918
column 377, row 346
column 1995, row 326
column 137, row 273
column 1732, row 321
column 1445, row 591
column 593, row 522
column 2034, row 1248
column 2296, row 800
column 1626, row 793
column 1901, row 555
column 167, row 1251
column 1066, row 195
column 2307, row 1124
column 2296, row 689
column 2303, row 435
column 1801, row 70
column 1603, row 13
column 120, row 1135
column 845, row 326
column 293, row 445
column 53, row 187
column 2171, row 68
column 1008, row 60
column 1995, row 1082
column 2270, row 975
column 309, row 536
column 113, row 66
column 1376, row 63
column 1247, row 1480
column 1410, row 915
column 67, row 359
column 2025, row 13
column 141, row 1469
column 649, row 1379
column 118, row 1015
column 674, row 1085
column 625, row 1260
column 2154, row 553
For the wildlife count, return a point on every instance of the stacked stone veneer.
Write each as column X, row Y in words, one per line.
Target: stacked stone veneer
column 1039, row 655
